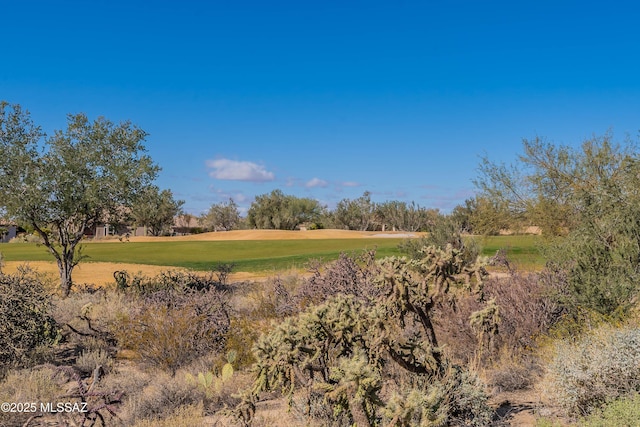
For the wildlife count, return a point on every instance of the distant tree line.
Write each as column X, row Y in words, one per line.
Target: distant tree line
column 279, row 211
column 481, row 214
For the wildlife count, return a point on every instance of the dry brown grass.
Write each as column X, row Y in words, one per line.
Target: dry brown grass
column 99, row 273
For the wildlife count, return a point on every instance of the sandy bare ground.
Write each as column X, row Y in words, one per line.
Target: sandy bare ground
column 101, row 273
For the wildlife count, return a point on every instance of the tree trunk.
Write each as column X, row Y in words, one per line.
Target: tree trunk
column 65, row 267
column 65, row 257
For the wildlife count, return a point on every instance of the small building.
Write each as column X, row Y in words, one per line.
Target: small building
column 185, row 224
column 8, row 231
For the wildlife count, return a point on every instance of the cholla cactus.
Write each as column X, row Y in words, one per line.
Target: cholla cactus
column 303, row 348
column 412, row 288
column 354, row 387
column 485, row 322
column 342, row 347
column 417, row 408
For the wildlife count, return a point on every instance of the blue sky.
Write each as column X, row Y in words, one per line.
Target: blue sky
column 328, row 99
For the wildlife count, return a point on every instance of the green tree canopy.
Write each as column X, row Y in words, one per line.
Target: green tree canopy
column 156, row 210
column 358, row 214
column 69, row 182
column 592, row 195
column 483, row 215
column 402, row 216
column 279, row 211
column 223, row 216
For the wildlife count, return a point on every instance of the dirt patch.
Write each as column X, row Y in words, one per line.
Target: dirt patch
column 515, row 408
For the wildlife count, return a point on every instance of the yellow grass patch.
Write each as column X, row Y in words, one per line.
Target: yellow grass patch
column 101, row 273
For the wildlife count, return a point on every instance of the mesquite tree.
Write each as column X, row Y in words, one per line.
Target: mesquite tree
column 62, row 185
column 590, row 194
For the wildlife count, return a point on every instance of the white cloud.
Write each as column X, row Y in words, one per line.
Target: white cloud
column 316, row 182
column 240, row 198
column 290, row 182
column 223, row 195
column 350, row 184
column 238, row 171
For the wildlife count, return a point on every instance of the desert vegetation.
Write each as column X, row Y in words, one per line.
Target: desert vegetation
column 422, row 339
column 445, row 328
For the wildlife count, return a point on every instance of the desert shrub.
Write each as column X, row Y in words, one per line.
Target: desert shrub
column 171, row 328
column 513, row 371
column 90, row 320
column 600, row 261
column 130, row 379
column 242, row 335
column 27, row 385
column 219, row 383
column 527, row 310
column 184, row 416
column 348, row 275
column 192, row 281
column 598, row 368
column 66, row 310
column 171, row 280
column 222, row 271
column 88, row 361
column 457, row 398
column 159, row 399
column 273, row 299
column 101, row 403
column 588, row 193
column 620, row 412
column 25, row 317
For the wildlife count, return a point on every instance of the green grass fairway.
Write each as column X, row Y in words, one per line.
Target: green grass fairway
column 259, row 255
column 247, row 255
column 523, row 251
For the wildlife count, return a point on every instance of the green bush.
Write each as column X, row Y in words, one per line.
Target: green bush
column 25, row 319
column 602, row 366
column 621, row 412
